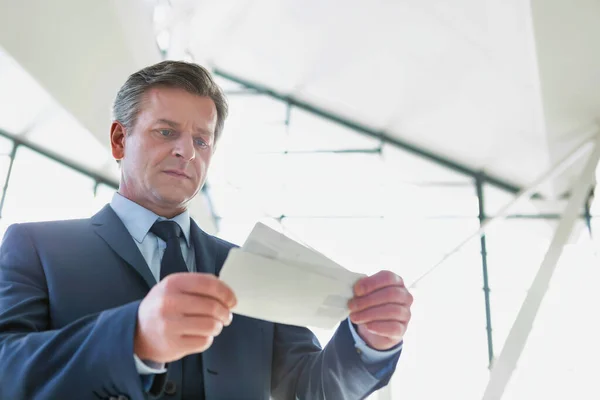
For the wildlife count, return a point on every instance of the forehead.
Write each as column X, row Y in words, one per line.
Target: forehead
column 178, row 105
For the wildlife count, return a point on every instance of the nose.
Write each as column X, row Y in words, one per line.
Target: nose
column 184, row 148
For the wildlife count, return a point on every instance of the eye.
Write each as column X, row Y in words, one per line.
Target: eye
column 201, row 143
column 165, row 132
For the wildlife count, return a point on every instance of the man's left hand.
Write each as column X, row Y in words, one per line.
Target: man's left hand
column 381, row 309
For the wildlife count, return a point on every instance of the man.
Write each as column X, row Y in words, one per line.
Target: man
column 128, row 304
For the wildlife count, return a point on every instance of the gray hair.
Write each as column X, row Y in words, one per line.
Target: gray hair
column 190, row 77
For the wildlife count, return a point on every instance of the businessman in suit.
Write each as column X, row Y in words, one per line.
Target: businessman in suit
column 128, row 304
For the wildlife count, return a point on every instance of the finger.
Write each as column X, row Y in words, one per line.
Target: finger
column 378, row 281
column 195, row 326
column 195, row 305
column 392, row 294
column 200, row 284
column 195, row 344
column 174, row 305
column 389, row 329
column 386, row 312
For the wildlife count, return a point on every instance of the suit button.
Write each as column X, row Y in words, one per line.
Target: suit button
column 170, row 388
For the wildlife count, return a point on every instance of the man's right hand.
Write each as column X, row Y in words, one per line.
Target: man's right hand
column 181, row 315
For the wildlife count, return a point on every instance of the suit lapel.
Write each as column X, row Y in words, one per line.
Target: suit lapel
column 215, row 359
column 204, row 249
column 110, row 228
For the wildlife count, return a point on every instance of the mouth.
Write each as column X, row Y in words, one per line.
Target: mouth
column 177, row 174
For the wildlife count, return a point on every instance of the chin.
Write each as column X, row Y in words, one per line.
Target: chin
column 175, row 198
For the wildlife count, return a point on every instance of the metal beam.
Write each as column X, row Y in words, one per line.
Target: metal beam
column 12, row 156
column 506, row 363
column 365, row 130
column 486, row 286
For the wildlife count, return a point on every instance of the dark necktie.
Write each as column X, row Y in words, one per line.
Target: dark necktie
column 172, row 260
column 190, row 384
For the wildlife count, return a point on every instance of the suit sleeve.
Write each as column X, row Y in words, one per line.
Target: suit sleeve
column 302, row 370
column 90, row 358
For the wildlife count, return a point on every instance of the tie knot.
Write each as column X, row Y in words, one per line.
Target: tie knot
column 166, row 230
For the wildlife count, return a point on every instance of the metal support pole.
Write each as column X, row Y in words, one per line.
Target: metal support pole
column 288, row 117
column 506, row 363
column 96, row 184
column 486, row 287
column 12, row 156
column 588, row 213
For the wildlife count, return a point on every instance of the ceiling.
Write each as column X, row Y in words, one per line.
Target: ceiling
column 506, row 87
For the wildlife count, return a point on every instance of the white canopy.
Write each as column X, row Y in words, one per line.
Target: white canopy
column 505, row 87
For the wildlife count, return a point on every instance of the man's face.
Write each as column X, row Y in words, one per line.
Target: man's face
column 165, row 156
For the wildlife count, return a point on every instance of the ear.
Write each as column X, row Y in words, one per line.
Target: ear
column 117, row 140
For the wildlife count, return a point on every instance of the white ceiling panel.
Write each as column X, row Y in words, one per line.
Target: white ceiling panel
column 500, row 86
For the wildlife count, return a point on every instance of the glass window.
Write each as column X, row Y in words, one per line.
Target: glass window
column 237, row 229
column 62, row 134
column 325, row 184
column 563, row 320
column 42, row 189
column 516, row 249
column 496, row 199
column 409, row 167
column 446, row 341
column 255, row 125
column 369, row 211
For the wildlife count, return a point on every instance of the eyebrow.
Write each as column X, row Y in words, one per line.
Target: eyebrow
column 176, row 125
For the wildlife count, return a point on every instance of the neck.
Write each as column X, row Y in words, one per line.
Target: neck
column 160, row 210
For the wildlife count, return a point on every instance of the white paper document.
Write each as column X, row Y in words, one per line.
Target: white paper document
column 277, row 279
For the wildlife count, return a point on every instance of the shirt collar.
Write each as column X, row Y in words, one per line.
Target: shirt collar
column 138, row 220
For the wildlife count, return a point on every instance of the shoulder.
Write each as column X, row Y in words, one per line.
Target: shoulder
column 49, row 226
column 47, row 229
column 22, row 241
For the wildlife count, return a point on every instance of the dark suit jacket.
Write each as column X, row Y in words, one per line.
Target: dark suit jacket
column 69, row 295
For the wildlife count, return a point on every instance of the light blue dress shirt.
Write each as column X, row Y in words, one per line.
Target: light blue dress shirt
column 138, row 221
